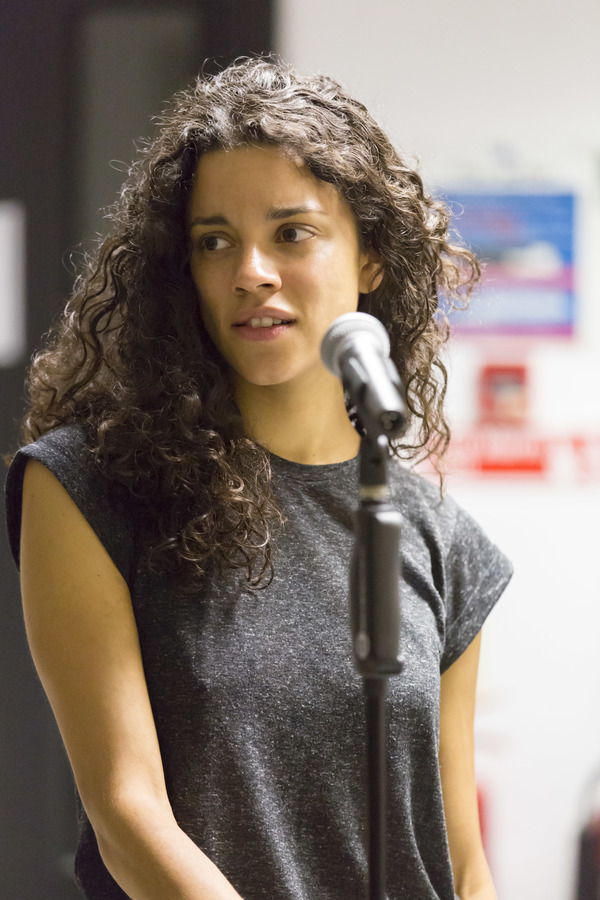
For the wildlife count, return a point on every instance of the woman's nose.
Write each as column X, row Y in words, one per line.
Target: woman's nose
column 256, row 270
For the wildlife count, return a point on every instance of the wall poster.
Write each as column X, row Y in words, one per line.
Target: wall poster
column 526, row 242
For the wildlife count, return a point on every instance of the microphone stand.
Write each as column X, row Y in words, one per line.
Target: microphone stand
column 356, row 348
column 375, row 621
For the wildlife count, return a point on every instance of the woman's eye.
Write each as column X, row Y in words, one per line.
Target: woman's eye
column 291, row 234
column 213, row 242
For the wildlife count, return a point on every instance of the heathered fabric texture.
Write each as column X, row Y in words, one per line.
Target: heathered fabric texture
column 259, row 711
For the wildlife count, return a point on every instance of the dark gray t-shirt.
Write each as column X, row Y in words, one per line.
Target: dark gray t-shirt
column 258, row 708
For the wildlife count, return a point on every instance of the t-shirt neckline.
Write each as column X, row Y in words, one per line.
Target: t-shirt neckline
column 308, row 472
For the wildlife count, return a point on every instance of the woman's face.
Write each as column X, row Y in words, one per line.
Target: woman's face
column 275, row 257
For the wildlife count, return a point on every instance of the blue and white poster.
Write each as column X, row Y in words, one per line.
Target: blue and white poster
column 526, row 243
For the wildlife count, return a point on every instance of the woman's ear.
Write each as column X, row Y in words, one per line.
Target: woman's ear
column 371, row 272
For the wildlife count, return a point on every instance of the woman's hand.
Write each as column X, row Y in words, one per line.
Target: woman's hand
column 84, row 641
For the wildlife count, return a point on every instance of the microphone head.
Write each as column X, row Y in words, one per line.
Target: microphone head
column 344, row 330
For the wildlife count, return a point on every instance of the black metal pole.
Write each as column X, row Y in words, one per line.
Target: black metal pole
column 376, row 691
column 375, row 616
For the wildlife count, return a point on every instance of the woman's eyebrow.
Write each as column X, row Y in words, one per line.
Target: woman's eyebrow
column 286, row 212
column 209, row 220
column 278, row 212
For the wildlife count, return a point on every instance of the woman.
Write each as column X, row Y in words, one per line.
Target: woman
column 188, row 485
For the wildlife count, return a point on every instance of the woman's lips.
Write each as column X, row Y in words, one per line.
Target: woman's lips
column 263, row 332
column 256, row 315
column 265, row 323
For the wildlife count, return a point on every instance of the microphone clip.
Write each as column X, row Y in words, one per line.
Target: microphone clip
column 379, row 407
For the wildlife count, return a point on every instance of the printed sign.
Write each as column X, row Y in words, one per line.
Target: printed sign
column 526, row 242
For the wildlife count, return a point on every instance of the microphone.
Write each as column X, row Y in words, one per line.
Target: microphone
column 356, row 348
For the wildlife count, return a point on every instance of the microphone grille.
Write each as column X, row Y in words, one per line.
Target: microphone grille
column 343, row 329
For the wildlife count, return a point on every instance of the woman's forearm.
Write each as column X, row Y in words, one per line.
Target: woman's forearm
column 151, row 858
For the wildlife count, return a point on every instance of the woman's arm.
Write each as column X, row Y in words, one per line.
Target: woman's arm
column 84, row 642
column 472, row 879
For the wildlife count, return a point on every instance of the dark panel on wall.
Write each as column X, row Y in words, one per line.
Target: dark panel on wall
column 237, row 28
column 56, row 112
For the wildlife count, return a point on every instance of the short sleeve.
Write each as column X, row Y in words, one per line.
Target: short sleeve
column 106, row 506
column 477, row 573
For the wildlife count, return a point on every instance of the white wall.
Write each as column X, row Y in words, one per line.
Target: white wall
column 453, row 77
column 503, row 94
column 538, row 731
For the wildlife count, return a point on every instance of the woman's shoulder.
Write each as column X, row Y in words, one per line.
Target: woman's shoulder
column 420, row 499
column 73, row 441
column 67, row 452
column 436, row 516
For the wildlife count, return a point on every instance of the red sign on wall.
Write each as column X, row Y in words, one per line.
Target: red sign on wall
column 491, row 450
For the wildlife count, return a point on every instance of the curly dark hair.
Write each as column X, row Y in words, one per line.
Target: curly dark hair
column 129, row 357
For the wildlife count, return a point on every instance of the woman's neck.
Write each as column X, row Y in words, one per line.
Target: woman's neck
column 306, row 425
